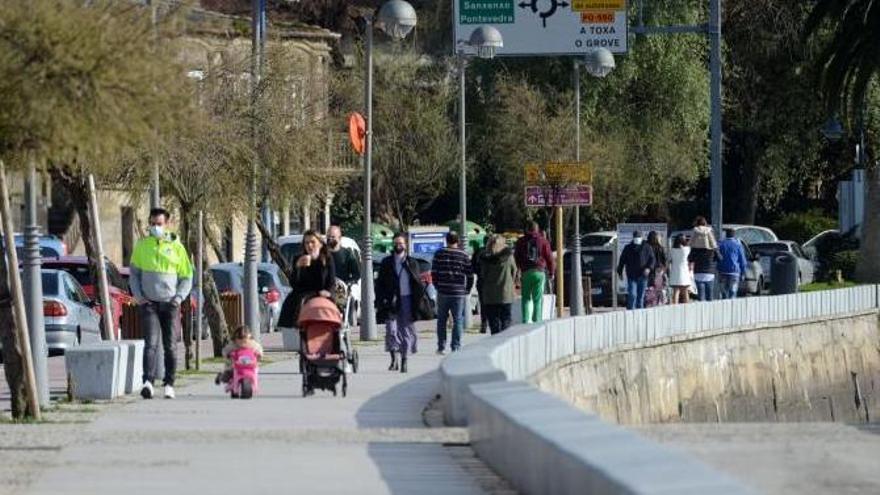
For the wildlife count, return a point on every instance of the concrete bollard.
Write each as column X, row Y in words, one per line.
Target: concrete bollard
column 121, row 366
column 93, row 371
column 134, row 366
column 290, row 339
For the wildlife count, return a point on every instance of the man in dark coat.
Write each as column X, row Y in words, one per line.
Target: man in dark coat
column 400, row 302
column 638, row 259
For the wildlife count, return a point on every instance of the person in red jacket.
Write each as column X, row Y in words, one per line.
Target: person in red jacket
column 534, row 259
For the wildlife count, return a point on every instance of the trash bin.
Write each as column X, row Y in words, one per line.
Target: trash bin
column 783, row 274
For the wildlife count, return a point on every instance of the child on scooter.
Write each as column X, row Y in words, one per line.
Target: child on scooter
column 241, row 339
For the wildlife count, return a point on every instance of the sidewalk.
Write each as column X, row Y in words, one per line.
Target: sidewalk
column 373, row 441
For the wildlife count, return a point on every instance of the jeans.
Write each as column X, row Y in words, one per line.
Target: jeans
column 635, row 292
column 704, row 290
column 533, row 296
column 498, row 316
column 159, row 317
column 445, row 305
column 729, row 286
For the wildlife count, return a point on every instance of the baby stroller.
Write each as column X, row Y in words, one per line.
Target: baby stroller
column 245, row 377
column 323, row 348
column 345, row 302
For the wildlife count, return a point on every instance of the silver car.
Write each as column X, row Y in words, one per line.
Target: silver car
column 806, row 265
column 68, row 313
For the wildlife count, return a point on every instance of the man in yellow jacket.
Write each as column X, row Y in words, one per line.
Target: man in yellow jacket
column 161, row 278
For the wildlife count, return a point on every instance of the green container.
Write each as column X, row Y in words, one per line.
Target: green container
column 476, row 234
column 383, row 237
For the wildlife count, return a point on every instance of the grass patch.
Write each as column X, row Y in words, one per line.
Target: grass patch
column 195, row 372
column 815, row 286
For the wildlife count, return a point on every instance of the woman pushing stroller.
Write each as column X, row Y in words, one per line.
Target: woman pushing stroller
column 400, row 302
column 313, row 275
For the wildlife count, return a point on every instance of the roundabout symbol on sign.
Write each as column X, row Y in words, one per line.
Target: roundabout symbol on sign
column 533, row 6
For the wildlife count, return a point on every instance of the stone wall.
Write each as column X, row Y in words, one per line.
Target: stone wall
column 822, row 369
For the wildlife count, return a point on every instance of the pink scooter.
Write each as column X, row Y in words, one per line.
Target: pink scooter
column 245, row 374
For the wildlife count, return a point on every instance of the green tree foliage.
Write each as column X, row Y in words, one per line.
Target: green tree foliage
column 849, row 67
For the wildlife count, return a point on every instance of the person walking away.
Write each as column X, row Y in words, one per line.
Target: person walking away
column 401, row 300
column 655, row 294
column 475, row 267
column 534, row 259
column 680, row 270
column 704, row 256
column 638, row 260
column 314, row 274
column 732, row 264
column 498, row 272
column 453, row 276
column 161, row 278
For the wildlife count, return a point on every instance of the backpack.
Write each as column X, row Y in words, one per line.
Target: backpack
column 533, row 251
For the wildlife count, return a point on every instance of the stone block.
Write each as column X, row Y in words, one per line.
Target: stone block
column 134, row 366
column 290, row 339
column 93, row 370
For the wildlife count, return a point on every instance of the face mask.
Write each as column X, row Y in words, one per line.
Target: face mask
column 399, row 249
column 156, row 231
column 637, row 241
column 332, row 243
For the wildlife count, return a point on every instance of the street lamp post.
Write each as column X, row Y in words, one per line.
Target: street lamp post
column 251, row 297
column 396, row 18
column 33, row 286
column 485, row 40
column 599, row 63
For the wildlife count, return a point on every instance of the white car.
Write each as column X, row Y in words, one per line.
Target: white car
column 291, row 248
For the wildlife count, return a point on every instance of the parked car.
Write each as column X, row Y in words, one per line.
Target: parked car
column 69, row 314
column 291, row 249
column 822, row 248
column 596, row 263
column 229, row 277
column 766, row 250
column 78, row 267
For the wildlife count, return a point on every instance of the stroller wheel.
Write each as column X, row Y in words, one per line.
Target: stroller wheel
column 302, row 365
column 344, row 385
column 233, row 394
column 334, row 391
column 247, row 389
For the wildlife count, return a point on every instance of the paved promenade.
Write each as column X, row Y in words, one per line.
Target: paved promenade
column 374, row 441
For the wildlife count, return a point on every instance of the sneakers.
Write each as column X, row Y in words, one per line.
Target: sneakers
column 169, row 392
column 440, row 352
column 147, row 390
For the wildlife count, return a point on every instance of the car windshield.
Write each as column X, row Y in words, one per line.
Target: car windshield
column 291, row 251
column 223, row 280
column 50, row 284
column 768, row 248
column 595, row 240
column 79, row 271
column 596, row 261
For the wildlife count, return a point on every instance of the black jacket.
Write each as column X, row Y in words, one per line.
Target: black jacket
column 388, row 291
column 636, row 259
column 704, row 260
column 306, row 282
column 346, row 264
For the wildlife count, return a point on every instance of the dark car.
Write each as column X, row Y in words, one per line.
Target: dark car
column 598, row 265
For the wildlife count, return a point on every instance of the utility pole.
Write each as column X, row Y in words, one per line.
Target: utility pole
column 33, row 285
column 251, row 296
column 368, row 313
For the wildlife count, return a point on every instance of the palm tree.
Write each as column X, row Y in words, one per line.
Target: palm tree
column 849, row 31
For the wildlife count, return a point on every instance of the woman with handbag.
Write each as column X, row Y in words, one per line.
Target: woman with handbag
column 401, row 300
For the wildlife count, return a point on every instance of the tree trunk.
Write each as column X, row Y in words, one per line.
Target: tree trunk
column 868, row 266
column 215, row 246
column 275, row 251
column 742, row 177
column 187, row 237
column 12, row 361
column 214, row 313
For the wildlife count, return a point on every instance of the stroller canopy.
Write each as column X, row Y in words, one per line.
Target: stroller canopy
column 319, row 310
